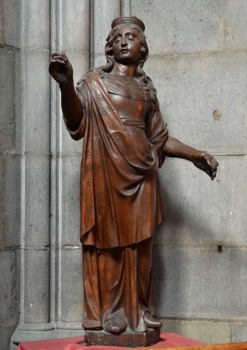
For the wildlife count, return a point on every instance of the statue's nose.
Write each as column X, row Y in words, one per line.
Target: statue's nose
column 123, row 41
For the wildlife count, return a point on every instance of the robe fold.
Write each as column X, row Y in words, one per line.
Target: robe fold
column 116, row 173
column 121, row 203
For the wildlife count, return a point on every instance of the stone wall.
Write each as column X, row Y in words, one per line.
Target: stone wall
column 198, row 65
column 10, row 190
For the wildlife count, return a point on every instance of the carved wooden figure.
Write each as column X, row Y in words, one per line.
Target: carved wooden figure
column 115, row 109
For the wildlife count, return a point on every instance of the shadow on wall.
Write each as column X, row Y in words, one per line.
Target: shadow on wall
column 195, row 276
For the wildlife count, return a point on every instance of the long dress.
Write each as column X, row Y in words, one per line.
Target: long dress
column 121, row 203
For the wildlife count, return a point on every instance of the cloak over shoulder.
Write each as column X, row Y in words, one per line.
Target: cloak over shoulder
column 120, row 194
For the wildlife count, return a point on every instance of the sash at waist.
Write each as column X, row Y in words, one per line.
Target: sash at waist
column 134, row 122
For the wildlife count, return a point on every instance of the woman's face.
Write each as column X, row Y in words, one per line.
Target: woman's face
column 127, row 45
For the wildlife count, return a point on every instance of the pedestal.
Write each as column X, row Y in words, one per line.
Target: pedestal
column 167, row 340
column 126, row 339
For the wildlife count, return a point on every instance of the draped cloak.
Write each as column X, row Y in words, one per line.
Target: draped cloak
column 120, row 196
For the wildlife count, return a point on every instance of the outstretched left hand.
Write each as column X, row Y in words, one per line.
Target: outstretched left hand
column 206, row 163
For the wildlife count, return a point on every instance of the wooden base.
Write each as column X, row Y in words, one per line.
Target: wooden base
column 126, row 339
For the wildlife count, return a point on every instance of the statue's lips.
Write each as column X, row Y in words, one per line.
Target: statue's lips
column 124, row 51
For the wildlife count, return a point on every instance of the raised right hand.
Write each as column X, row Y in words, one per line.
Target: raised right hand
column 60, row 68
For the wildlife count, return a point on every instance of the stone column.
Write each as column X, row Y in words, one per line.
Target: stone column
column 50, row 253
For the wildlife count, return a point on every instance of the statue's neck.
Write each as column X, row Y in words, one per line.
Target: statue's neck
column 125, row 70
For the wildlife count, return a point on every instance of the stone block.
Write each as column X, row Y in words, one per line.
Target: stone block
column 71, row 201
column 104, row 13
column 75, row 23
column 70, row 146
column 37, row 199
column 67, row 333
column 2, row 204
column 71, row 285
column 12, row 200
column 37, row 101
column 200, row 282
column 175, row 27
column 235, row 22
column 37, row 36
column 80, row 62
column 199, row 211
column 99, row 60
column 23, row 336
column 18, row 276
column 9, row 291
column 12, row 13
column 7, row 115
column 18, row 99
column 37, row 286
column 8, row 288
column 239, row 332
column 208, row 332
column 191, row 88
column 6, row 332
column 1, row 25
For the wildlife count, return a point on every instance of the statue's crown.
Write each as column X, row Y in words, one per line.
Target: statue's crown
column 127, row 20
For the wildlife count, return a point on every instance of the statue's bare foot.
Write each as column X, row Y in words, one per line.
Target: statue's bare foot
column 151, row 322
column 115, row 326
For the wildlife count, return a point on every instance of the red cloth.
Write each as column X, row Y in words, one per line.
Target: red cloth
column 166, row 340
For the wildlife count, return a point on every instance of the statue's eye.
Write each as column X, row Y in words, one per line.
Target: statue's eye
column 131, row 37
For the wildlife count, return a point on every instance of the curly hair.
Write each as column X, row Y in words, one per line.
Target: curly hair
column 143, row 79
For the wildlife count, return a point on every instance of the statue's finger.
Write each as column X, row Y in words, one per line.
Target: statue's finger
column 61, row 57
column 213, row 174
column 56, row 54
column 58, row 61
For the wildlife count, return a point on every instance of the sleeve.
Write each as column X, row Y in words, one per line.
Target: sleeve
column 79, row 133
column 157, row 131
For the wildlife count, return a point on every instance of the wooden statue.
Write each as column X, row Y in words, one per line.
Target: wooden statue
column 115, row 109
